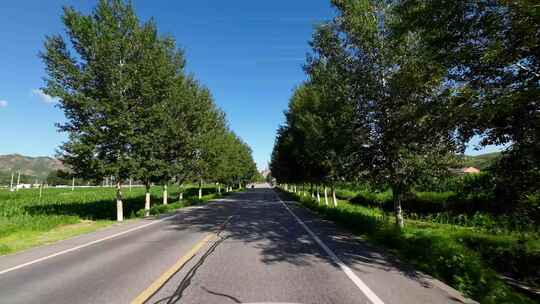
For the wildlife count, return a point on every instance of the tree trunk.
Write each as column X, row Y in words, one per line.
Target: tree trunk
column 398, row 212
column 334, row 196
column 147, row 200
column 11, row 185
column 219, row 188
column 200, row 189
column 326, row 195
column 180, row 193
column 165, row 194
column 318, row 195
column 73, row 184
column 119, row 204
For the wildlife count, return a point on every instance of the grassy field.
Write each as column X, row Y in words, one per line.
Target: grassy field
column 471, row 259
column 27, row 221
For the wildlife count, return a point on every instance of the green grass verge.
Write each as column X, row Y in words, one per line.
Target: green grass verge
column 27, row 221
column 451, row 254
column 25, row 239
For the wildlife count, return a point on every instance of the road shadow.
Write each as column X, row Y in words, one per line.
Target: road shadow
column 261, row 221
column 101, row 209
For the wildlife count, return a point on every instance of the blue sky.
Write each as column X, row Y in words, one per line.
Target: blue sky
column 249, row 53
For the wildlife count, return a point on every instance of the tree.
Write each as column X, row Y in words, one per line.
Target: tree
column 110, row 91
column 91, row 88
column 58, row 177
column 161, row 68
column 403, row 98
column 490, row 52
column 381, row 110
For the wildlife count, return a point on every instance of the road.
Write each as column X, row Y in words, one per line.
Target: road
column 248, row 248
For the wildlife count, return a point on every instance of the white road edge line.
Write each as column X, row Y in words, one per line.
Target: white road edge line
column 84, row 245
column 348, row 271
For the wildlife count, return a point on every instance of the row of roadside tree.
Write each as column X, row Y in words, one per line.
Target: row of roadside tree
column 132, row 111
column 397, row 89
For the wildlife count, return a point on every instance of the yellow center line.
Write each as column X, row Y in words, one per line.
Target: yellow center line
column 148, row 292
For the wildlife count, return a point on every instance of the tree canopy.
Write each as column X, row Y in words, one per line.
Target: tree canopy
column 131, row 110
column 396, row 89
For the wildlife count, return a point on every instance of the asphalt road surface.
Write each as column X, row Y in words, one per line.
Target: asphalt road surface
column 248, row 248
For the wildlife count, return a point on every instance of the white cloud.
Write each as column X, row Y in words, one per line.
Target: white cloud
column 3, row 103
column 44, row 97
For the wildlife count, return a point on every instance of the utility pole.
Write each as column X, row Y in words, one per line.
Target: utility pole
column 11, row 185
column 18, row 180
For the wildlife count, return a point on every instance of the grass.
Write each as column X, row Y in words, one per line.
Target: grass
column 24, row 239
column 465, row 258
column 27, row 221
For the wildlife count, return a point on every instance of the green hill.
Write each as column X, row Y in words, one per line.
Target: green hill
column 31, row 167
column 481, row 161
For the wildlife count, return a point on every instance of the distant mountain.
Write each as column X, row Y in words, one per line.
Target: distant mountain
column 37, row 167
column 482, row 161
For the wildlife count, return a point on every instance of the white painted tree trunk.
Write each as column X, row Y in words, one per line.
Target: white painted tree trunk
column 40, row 191
column 399, row 214
column 119, row 204
column 165, row 195
column 398, row 211
column 147, row 201
column 325, row 196
column 219, row 188
column 334, row 196
column 11, row 185
column 200, row 190
column 318, row 196
column 129, row 184
column 73, row 184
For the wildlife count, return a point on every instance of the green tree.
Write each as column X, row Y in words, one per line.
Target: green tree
column 377, row 107
column 490, row 51
column 106, row 91
column 403, row 98
column 161, row 68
